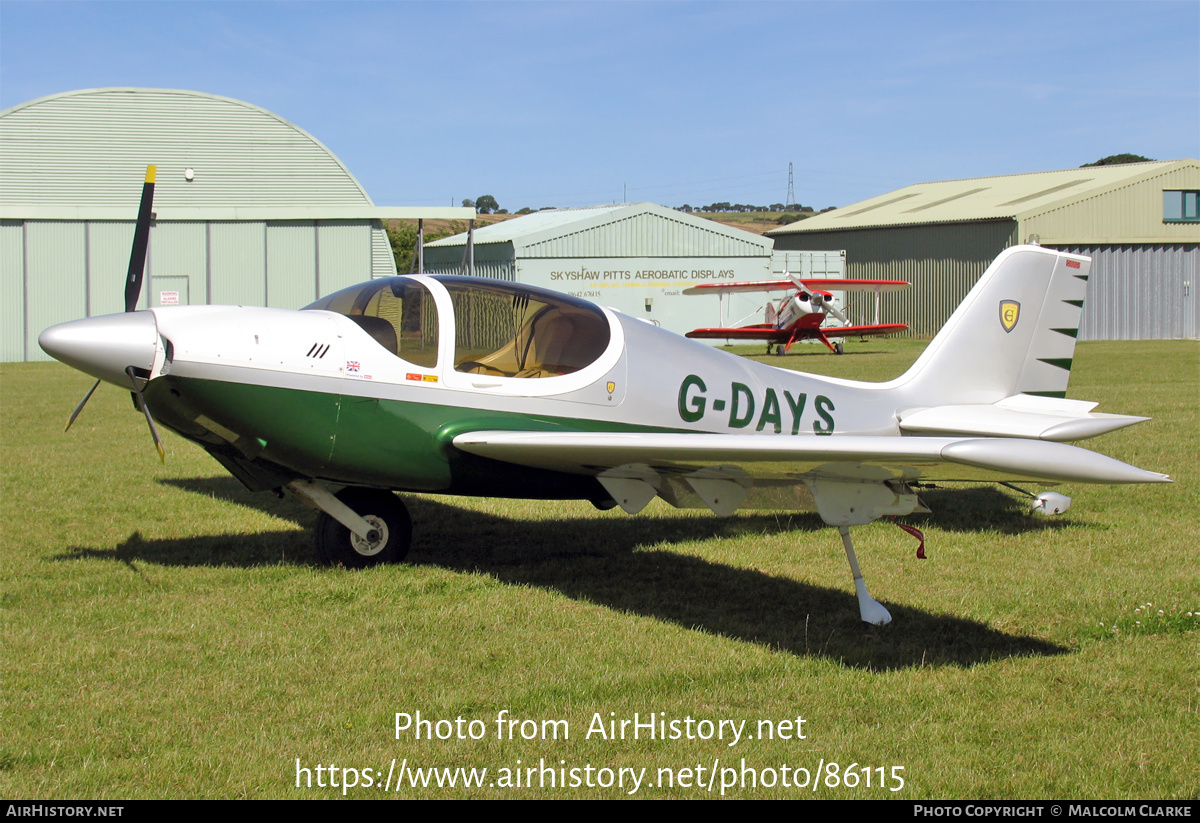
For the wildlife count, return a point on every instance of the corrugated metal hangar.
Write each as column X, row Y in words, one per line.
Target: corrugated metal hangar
column 250, row 209
column 636, row 258
column 1138, row 222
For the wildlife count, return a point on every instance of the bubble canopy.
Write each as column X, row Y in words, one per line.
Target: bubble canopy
column 499, row 328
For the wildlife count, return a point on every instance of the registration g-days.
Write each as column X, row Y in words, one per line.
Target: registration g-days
column 694, row 403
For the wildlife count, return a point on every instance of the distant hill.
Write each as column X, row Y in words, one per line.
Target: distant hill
column 758, row 222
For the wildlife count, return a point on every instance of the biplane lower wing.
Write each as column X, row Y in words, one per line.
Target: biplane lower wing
column 764, row 331
column 863, row 331
column 773, row 334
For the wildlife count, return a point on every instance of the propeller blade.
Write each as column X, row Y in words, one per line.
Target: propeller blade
column 133, row 288
column 82, row 403
column 830, row 309
column 141, row 241
column 141, row 401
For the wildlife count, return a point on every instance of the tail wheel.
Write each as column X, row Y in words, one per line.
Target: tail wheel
column 338, row 546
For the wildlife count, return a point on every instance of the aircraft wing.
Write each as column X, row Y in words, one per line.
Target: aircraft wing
column 766, row 331
column 862, row 331
column 763, row 331
column 842, row 284
column 826, row 284
column 771, row 459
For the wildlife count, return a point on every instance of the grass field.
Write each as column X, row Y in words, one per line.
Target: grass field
column 167, row 634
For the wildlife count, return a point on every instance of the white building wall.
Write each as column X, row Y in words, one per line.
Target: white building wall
column 649, row 288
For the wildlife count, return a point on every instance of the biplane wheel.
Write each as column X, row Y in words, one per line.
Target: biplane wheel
column 338, row 546
column 838, row 348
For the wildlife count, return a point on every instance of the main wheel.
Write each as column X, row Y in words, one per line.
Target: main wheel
column 338, row 546
column 838, row 348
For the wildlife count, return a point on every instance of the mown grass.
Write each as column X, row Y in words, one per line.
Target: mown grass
column 167, row 634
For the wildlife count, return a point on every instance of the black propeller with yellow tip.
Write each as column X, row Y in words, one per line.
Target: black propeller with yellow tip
column 133, row 290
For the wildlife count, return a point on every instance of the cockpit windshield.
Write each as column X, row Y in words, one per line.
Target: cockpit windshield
column 501, row 329
column 397, row 312
column 509, row 330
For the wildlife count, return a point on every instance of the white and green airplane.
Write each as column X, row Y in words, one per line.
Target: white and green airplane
column 465, row 386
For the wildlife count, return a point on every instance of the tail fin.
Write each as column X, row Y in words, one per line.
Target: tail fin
column 1014, row 333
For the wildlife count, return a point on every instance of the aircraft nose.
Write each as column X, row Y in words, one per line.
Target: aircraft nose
column 104, row 346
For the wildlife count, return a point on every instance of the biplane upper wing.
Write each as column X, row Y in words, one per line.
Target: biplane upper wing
column 825, row 284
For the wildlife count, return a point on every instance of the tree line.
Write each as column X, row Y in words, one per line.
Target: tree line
column 487, row 204
column 745, row 208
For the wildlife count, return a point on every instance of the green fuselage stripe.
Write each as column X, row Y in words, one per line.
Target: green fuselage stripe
column 367, row 441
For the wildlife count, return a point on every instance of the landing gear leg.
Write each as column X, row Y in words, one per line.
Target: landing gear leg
column 871, row 610
column 357, row 527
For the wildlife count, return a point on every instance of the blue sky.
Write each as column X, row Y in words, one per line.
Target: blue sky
column 579, row 103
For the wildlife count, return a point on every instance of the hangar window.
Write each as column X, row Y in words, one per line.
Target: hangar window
column 508, row 330
column 397, row 312
column 1181, row 206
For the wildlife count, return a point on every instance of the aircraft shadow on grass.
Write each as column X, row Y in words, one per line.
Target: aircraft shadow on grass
column 622, row 563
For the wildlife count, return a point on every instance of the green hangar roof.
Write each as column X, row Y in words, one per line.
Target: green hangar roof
column 636, row 258
column 618, row 230
column 82, row 148
column 76, row 155
column 1122, row 203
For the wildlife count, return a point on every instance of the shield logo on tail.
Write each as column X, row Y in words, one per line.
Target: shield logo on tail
column 1010, row 310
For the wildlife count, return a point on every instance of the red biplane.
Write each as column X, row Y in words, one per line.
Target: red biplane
column 799, row 316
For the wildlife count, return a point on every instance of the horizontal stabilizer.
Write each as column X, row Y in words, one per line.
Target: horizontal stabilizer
column 1042, row 418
